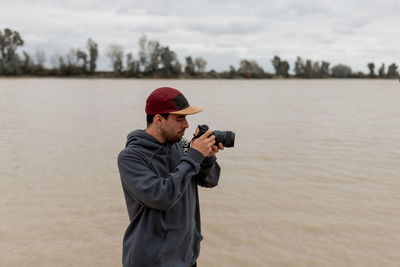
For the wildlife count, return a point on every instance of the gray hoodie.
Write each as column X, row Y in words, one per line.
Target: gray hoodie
column 160, row 188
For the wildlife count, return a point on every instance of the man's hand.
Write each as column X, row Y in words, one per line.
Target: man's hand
column 205, row 143
column 215, row 149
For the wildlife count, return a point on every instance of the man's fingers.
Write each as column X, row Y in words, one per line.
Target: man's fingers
column 221, row 146
column 206, row 134
column 210, row 141
column 205, row 143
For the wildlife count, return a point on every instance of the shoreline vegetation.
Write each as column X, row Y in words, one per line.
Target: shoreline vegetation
column 160, row 62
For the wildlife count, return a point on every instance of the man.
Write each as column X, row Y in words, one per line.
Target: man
column 160, row 184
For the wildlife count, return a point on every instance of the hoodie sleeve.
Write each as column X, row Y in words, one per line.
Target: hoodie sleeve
column 153, row 191
column 208, row 175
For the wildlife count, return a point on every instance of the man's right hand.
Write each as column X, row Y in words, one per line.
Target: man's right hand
column 204, row 143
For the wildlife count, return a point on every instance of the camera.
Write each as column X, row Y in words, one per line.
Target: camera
column 226, row 138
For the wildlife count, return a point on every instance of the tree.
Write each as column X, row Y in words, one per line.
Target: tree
column 54, row 61
column 381, row 71
column 170, row 64
column 93, row 53
column 68, row 65
column 189, row 68
column 149, row 55
column 154, row 53
column 316, row 70
column 281, row 67
column 276, row 62
column 245, row 68
column 284, row 69
column 232, row 71
column 155, row 59
column 392, row 71
column 308, row 69
column 62, row 67
column 9, row 42
column 256, row 70
column 213, row 74
column 371, row 67
column 10, row 63
column 142, row 52
column 341, row 71
column 72, row 59
column 358, row 74
column 40, row 60
column 200, row 64
column 132, row 66
column 82, row 56
column 325, row 69
column 116, row 54
column 27, row 63
column 299, row 67
column 250, row 69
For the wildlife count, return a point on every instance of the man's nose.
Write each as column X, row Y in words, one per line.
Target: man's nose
column 186, row 125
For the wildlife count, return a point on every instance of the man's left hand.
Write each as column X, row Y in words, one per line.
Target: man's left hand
column 215, row 149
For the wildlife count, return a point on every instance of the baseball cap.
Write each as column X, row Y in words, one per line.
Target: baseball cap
column 169, row 100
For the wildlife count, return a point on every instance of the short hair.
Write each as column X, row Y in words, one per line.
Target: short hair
column 149, row 118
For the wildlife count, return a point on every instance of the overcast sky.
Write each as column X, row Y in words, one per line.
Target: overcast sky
column 353, row 32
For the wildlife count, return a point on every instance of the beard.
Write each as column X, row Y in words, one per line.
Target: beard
column 171, row 137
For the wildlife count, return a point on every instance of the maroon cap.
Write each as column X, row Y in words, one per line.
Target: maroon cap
column 169, row 100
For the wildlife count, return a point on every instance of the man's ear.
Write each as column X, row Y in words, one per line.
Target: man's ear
column 157, row 118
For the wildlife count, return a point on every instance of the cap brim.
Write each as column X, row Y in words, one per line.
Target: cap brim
column 188, row 111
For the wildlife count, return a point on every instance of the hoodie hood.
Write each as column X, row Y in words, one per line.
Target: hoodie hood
column 140, row 137
column 149, row 146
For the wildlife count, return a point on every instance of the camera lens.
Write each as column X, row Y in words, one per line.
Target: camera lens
column 229, row 139
column 226, row 138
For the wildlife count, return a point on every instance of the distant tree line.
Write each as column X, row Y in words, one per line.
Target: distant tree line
column 157, row 61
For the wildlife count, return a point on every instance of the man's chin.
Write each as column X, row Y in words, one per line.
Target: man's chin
column 176, row 138
column 179, row 137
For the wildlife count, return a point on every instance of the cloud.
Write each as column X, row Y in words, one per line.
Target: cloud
column 222, row 32
column 226, row 25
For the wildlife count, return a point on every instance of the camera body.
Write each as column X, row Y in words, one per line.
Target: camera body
column 226, row 138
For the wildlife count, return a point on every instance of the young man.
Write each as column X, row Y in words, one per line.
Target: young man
column 160, row 184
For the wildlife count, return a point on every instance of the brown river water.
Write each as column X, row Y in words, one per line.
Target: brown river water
column 313, row 180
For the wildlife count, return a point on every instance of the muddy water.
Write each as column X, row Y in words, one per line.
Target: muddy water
column 313, row 179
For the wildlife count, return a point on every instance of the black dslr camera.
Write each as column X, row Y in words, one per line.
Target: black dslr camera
column 226, row 138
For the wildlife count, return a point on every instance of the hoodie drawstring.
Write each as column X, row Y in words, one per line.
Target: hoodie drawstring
column 154, row 153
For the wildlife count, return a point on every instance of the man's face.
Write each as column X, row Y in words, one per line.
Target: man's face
column 173, row 128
